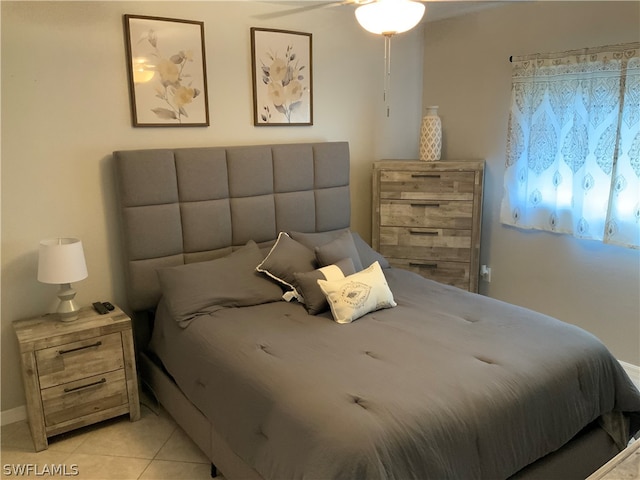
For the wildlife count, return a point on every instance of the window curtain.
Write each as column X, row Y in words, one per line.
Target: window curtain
column 573, row 145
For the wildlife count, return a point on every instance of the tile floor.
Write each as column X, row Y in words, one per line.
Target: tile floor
column 152, row 448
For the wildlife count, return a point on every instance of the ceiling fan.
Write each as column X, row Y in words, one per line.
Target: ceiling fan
column 382, row 17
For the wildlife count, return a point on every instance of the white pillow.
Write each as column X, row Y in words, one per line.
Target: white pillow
column 358, row 294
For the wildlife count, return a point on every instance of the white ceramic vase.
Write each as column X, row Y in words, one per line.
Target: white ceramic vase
column 431, row 136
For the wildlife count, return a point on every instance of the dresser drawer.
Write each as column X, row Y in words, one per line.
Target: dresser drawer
column 450, row 273
column 429, row 214
column 77, row 360
column 83, row 397
column 410, row 185
column 426, row 243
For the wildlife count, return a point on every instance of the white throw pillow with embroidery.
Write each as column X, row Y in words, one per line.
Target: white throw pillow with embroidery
column 356, row 295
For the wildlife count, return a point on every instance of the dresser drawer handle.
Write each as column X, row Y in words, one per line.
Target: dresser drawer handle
column 423, row 265
column 430, row 205
column 99, row 382
column 421, row 232
column 63, row 352
column 425, row 175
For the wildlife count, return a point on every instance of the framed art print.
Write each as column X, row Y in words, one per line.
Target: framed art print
column 167, row 72
column 282, row 77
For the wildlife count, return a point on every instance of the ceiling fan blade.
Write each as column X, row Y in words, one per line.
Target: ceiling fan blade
column 305, row 8
column 312, row 6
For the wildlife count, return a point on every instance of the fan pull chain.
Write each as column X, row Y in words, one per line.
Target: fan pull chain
column 387, row 73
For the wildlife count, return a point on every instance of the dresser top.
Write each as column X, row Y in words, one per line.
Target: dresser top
column 448, row 165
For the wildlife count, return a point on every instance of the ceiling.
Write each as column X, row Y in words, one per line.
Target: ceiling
column 436, row 9
column 444, row 9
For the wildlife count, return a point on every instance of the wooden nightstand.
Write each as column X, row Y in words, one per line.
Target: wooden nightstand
column 625, row 465
column 77, row 373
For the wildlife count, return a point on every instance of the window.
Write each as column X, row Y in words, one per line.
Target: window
column 573, row 147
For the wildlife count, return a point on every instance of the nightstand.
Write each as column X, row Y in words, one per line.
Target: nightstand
column 77, row 373
column 625, row 465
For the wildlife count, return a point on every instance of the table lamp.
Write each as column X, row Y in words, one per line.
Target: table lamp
column 61, row 261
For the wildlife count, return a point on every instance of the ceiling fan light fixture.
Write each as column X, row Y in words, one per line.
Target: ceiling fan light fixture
column 388, row 17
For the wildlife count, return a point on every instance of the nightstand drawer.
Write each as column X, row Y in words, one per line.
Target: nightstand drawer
column 423, row 213
column 77, row 360
column 83, row 397
column 426, row 243
column 427, row 185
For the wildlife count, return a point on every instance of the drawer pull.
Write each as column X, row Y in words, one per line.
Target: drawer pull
column 430, row 205
column 421, row 232
column 425, row 175
column 423, row 265
column 99, row 382
column 63, row 352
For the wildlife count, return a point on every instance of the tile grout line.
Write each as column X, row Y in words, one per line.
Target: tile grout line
column 159, row 449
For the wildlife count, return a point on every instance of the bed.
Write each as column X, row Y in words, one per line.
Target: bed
column 419, row 380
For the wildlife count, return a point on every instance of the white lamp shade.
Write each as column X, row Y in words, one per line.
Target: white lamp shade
column 61, row 260
column 388, row 17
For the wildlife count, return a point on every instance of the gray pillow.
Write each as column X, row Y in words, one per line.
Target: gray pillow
column 317, row 239
column 200, row 288
column 314, row 299
column 342, row 247
column 286, row 258
column 367, row 254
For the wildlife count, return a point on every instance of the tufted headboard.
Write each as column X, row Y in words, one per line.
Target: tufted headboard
column 192, row 204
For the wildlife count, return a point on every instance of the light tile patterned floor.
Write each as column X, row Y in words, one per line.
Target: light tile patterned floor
column 152, row 448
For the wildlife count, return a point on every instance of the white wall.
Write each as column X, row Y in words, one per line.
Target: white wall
column 65, row 108
column 468, row 74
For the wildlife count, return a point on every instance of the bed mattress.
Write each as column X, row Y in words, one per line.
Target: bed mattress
column 448, row 384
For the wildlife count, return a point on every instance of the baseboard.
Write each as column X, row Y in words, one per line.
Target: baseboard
column 633, row 371
column 14, row 415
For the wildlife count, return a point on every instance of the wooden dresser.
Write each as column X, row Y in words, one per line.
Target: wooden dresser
column 77, row 373
column 427, row 218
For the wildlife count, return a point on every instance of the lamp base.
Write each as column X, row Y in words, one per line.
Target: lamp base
column 68, row 309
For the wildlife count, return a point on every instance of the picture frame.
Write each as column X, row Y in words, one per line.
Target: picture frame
column 167, row 72
column 282, row 74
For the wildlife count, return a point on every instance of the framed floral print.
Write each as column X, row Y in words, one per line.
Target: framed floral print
column 282, row 77
column 167, row 72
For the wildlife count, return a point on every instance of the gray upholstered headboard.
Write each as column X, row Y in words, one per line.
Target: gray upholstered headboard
column 193, row 204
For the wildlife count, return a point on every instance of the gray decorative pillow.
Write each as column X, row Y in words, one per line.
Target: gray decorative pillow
column 342, row 247
column 317, row 239
column 314, row 300
column 367, row 254
column 286, row 258
column 200, row 288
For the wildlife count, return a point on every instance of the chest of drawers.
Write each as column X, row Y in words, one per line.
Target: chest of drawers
column 427, row 218
column 77, row 373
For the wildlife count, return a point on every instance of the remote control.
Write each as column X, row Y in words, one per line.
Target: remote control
column 108, row 306
column 100, row 308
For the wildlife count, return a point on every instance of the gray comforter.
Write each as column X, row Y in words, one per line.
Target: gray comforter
column 447, row 384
